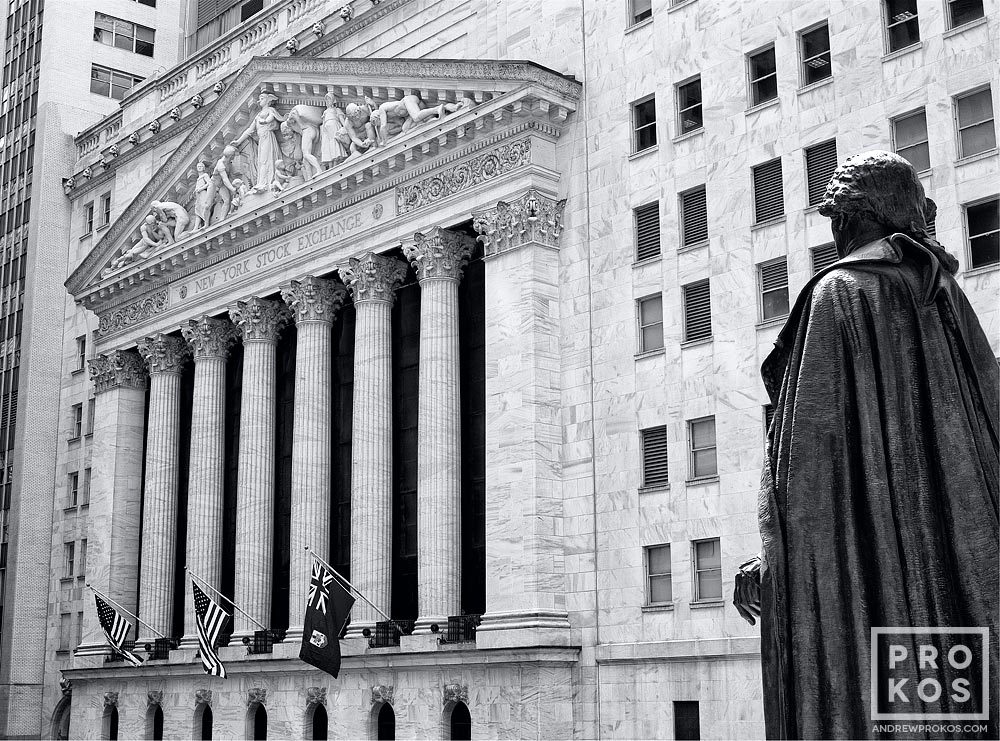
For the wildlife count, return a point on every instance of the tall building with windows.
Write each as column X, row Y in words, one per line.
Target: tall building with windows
column 483, row 333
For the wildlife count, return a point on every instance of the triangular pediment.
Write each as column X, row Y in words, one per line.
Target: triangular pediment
column 326, row 127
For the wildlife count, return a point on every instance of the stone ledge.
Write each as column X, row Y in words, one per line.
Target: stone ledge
column 730, row 649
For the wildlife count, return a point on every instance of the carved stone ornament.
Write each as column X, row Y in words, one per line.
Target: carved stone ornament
column 154, row 127
column 456, row 693
column 439, row 254
column 175, row 113
column 218, row 87
column 347, row 12
column 318, row 28
column 118, row 369
column 256, row 696
column 203, row 697
column 314, row 299
column 110, row 699
column 381, row 693
column 68, row 184
column 209, row 337
column 137, row 311
column 114, row 150
column 533, row 217
column 155, row 697
column 197, row 101
column 66, row 685
column 88, row 173
column 373, row 277
column 133, row 138
column 315, row 696
column 376, row 2
column 292, row 45
column 164, row 354
column 260, row 320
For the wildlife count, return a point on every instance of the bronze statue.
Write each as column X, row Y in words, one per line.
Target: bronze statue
column 878, row 502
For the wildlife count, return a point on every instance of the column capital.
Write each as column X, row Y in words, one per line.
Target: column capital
column 260, row 320
column 373, row 277
column 118, row 369
column 164, row 353
column 209, row 337
column 439, row 253
column 313, row 299
column 534, row 217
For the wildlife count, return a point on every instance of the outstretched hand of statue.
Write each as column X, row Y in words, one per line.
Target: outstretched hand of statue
column 746, row 595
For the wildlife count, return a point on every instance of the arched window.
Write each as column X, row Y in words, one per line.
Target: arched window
column 260, row 723
column 60, row 720
column 461, row 723
column 386, row 723
column 109, row 729
column 319, row 722
column 154, row 722
column 203, row 722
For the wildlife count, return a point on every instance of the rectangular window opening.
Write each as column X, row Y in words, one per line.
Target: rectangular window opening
column 773, row 282
column 821, row 162
column 708, row 570
column 697, row 311
column 902, row 24
column 909, row 136
column 654, row 457
column 768, row 194
column 650, row 310
column 659, row 589
column 815, row 50
column 763, row 71
column 647, row 231
column 701, row 435
column 644, row 124
column 976, row 132
column 694, row 217
column 982, row 222
column 689, row 111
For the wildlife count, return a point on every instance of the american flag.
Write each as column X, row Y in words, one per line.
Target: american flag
column 116, row 628
column 209, row 618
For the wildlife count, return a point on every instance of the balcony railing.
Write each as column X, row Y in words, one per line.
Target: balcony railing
column 388, row 632
column 116, row 655
column 160, row 648
column 262, row 641
column 461, row 629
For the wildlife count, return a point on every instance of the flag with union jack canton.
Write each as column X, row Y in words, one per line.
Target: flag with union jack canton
column 116, row 628
column 327, row 609
column 209, row 620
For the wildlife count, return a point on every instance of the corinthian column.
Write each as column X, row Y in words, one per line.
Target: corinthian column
column 371, row 281
column 210, row 339
column 314, row 303
column 165, row 357
column 113, row 545
column 259, row 321
column 438, row 258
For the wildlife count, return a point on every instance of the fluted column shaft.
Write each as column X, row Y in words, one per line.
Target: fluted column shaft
column 314, row 303
column 165, row 357
column 438, row 258
column 371, row 281
column 210, row 339
column 259, row 322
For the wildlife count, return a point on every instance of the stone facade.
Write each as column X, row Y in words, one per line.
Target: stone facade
column 542, row 167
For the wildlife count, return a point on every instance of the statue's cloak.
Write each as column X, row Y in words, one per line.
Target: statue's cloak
column 878, row 503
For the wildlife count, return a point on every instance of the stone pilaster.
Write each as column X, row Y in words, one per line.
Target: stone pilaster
column 113, row 545
column 371, row 281
column 525, row 585
column 438, row 258
column 210, row 339
column 165, row 357
column 259, row 322
column 314, row 303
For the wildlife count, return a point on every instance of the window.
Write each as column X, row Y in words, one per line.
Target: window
column 659, row 590
column 123, row 34
column 961, row 12
column 821, row 161
column 824, row 255
column 763, row 72
column 697, row 311
column 815, row 49
column 69, row 552
column 74, row 488
column 65, row 631
column 686, row 725
column 689, row 116
column 707, row 570
column 909, row 136
column 77, row 428
column 111, row 83
column 150, row 3
column 644, row 123
column 641, row 10
column 902, row 26
column 81, row 352
column 91, row 410
column 701, row 433
column 694, row 217
column 975, row 123
column 768, row 197
column 773, row 279
column 85, row 492
column 647, row 231
column 88, row 218
column 650, row 323
column 105, row 209
column 983, row 227
column 81, row 566
column 247, row 10
column 654, row 456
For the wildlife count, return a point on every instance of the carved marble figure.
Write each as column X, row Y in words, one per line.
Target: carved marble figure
column 221, row 189
column 334, row 141
column 359, row 128
column 172, row 216
column 202, row 204
column 286, row 176
column 152, row 237
column 878, row 500
column 395, row 117
column 305, row 120
column 263, row 129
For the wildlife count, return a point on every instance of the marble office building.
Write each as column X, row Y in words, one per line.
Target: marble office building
column 470, row 299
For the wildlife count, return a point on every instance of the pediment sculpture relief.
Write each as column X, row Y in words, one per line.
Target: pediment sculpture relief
column 282, row 147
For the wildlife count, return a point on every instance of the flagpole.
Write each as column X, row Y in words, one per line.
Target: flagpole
column 351, row 586
column 236, row 606
column 136, row 617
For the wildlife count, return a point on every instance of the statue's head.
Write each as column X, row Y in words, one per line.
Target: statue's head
column 150, row 219
column 356, row 114
column 882, row 187
column 200, row 167
column 331, row 100
column 229, row 151
column 266, row 99
column 156, row 204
